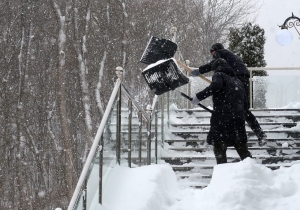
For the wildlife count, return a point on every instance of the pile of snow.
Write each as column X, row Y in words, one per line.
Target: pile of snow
column 296, row 128
column 151, row 187
column 292, row 105
column 245, row 185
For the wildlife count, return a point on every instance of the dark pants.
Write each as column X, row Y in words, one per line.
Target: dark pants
column 249, row 117
column 220, row 148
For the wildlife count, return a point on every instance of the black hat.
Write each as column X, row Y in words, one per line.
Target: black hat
column 216, row 46
column 218, row 62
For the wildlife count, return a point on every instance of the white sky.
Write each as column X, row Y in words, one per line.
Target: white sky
column 272, row 14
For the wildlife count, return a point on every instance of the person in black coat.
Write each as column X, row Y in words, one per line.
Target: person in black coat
column 228, row 119
column 217, row 50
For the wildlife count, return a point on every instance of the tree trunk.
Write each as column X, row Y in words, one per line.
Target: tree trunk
column 66, row 136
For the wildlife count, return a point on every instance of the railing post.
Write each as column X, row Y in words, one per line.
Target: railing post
column 119, row 72
column 101, row 147
column 162, row 118
column 94, row 148
column 251, row 91
column 168, row 105
column 188, row 86
column 84, row 197
column 156, row 121
column 149, row 112
column 140, row 137
column 129, row 131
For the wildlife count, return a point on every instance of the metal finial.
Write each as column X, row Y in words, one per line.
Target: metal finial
column 119, row 71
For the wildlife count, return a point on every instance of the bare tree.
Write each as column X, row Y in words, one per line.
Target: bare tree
column 210, row 23
column 57, row 74
column 80, row 45
column 62, row 18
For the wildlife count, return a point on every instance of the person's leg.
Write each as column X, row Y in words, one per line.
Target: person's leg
column 220, row 152
column 242, row 149
column 250, row 118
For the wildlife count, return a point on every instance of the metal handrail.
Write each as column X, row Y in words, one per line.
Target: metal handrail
column 155, row 116
column 148, row 117
column 86, row 168
column 153, row 107
column 98, row 143
column 137, row 106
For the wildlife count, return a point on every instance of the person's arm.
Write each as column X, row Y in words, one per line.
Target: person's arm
column 215, row 86
column 206, row 67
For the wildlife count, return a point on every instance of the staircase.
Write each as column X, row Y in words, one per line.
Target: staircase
column 193, row 163
column 177, row 137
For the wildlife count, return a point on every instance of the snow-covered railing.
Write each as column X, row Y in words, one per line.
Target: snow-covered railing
column 149, row 115
column 95, row 146
column 88, row 192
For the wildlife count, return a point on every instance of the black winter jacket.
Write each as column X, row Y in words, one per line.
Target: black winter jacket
column 227, row 91
column 233, row 60
column 229, row 102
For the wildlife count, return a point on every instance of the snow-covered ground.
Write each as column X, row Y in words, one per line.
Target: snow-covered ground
column 244, row 185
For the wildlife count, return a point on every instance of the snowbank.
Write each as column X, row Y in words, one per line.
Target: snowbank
column 245, row 185
column 145, row 188
column 292, row 105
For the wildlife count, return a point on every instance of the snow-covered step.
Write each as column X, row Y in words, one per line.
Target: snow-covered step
column 264, row 159
column 250, row 140
column 195, row 131
column 204, row 157
column 266, row 117
column 196, row 134
column 189, row 167
column 261, row 116
column 196, row 184
column 203, row 149
column 200, row 142
column 192, row 175
column 206, row 125
column 199, row 176
column 185, row 150
column 272, row 110
column 208, row 169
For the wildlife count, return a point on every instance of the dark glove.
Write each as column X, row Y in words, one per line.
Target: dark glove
column 195, row 100
column 195, row 73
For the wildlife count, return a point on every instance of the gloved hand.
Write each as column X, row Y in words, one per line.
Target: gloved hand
column 195, row 73
column 195, row 100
